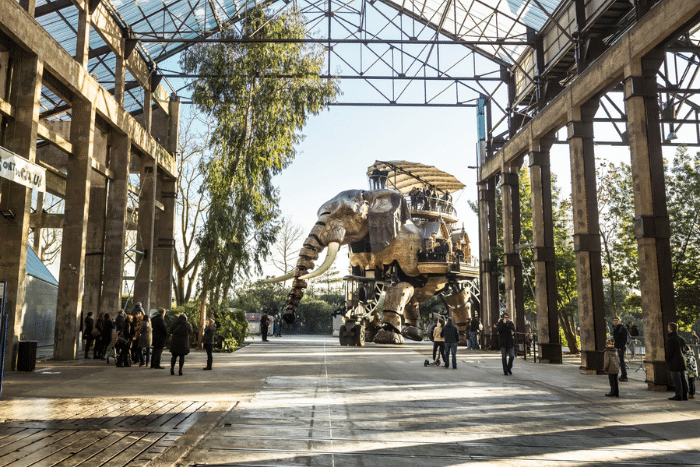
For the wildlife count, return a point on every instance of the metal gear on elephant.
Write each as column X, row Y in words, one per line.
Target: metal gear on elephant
column 403, row 245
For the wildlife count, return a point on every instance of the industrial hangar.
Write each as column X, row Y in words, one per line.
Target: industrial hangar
column 87, row 108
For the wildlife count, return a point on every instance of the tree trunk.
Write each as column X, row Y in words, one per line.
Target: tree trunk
column 569, row 333
column 203, row 299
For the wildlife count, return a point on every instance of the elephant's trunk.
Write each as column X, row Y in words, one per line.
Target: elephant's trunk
column 312, row 247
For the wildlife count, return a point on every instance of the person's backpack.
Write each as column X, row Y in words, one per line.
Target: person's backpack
column 629, row 336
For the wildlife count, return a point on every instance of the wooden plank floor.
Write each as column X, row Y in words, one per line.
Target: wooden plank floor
column 83, row 432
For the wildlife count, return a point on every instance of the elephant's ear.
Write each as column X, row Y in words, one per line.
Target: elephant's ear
column 387, row 212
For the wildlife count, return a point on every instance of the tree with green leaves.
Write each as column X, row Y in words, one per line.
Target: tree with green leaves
column 259, row 94
column 682, row 176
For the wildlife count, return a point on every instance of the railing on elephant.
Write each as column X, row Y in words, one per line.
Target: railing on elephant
column 431, row 204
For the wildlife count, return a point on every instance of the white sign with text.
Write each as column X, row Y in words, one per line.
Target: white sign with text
column 20, row 170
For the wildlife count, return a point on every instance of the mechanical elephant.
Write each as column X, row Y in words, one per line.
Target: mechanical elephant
column 378, row 228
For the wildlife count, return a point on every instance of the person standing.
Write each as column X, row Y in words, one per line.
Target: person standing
column 89, row 325
column 108, row 335
column 208, row 341
column 621, row 335
column 451, row 335
column 611, row 366
column 264, row 326
column 438, row 342
column 99, row 346
column 145, row 340
column 124, row 342
column 159, row 334
column 474, row 333
column 180, row 342
column 694, row 339
column 692, row 367
column 676, row 363
column 506, row 330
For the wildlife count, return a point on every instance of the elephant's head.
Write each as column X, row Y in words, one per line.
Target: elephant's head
column 349, row 217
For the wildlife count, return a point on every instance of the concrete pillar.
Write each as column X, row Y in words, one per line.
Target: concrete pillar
column 94, row 246
column 513, row 268
column 75, row 227
column 144, row 232
column 164, row 250
column 29, row 6
column 82, row 45
column 119, row 79
column 165, row 125
column 652, row 228
column 19, row 137
column 543, row 249
column 147, row 109
column 589, row 272
column 115, row 232
column 38, row 230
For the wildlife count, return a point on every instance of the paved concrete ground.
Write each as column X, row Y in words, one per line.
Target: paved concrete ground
column 306, row 401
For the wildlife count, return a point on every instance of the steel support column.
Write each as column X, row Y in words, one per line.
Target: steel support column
column 543, row 253
column 487, row 276
column 75, row 226
column 589, row 272
column 513, row 268
column 19, row 137
column 652, row 228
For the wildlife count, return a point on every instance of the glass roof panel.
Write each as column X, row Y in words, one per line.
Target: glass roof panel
column 486, row 21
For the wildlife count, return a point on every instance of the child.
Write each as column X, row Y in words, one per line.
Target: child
column 611, row 366
column 692, row 370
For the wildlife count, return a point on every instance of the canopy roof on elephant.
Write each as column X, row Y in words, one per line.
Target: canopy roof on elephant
column 404, row 176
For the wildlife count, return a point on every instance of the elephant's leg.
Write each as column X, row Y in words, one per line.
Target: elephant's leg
column 396, row 298
column 458, row 306
column 411, row 315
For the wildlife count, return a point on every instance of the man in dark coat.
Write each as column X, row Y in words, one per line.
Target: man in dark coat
column 159, row 336
column 180, row 341
column 264, row 326
column 620, row 335
column 208, row 341
column 451, row 335
column 506, row 330
column 87, row 332
column 676, row 363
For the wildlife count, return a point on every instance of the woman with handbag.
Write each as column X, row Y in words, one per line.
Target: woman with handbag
column 180, row 343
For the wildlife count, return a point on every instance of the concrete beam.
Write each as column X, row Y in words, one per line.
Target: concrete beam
column 28, row 34
column 654, row 28
column 6, row 109
column 45, row 220
column 55, row 138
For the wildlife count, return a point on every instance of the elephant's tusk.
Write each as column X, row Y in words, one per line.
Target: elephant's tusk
column 333, row 248
column 286, row 277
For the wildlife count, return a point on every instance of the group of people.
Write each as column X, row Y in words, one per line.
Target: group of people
column 428, row 199
column 136, row 338
column 680, row 360
column 265, row 322
column 445, row 339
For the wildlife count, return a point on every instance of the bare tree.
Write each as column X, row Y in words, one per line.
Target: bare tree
column 286, row 250
column 47, row 241
column 192, row 203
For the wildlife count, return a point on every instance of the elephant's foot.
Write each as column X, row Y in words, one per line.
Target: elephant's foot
column 388, row 337
column 412, row 332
